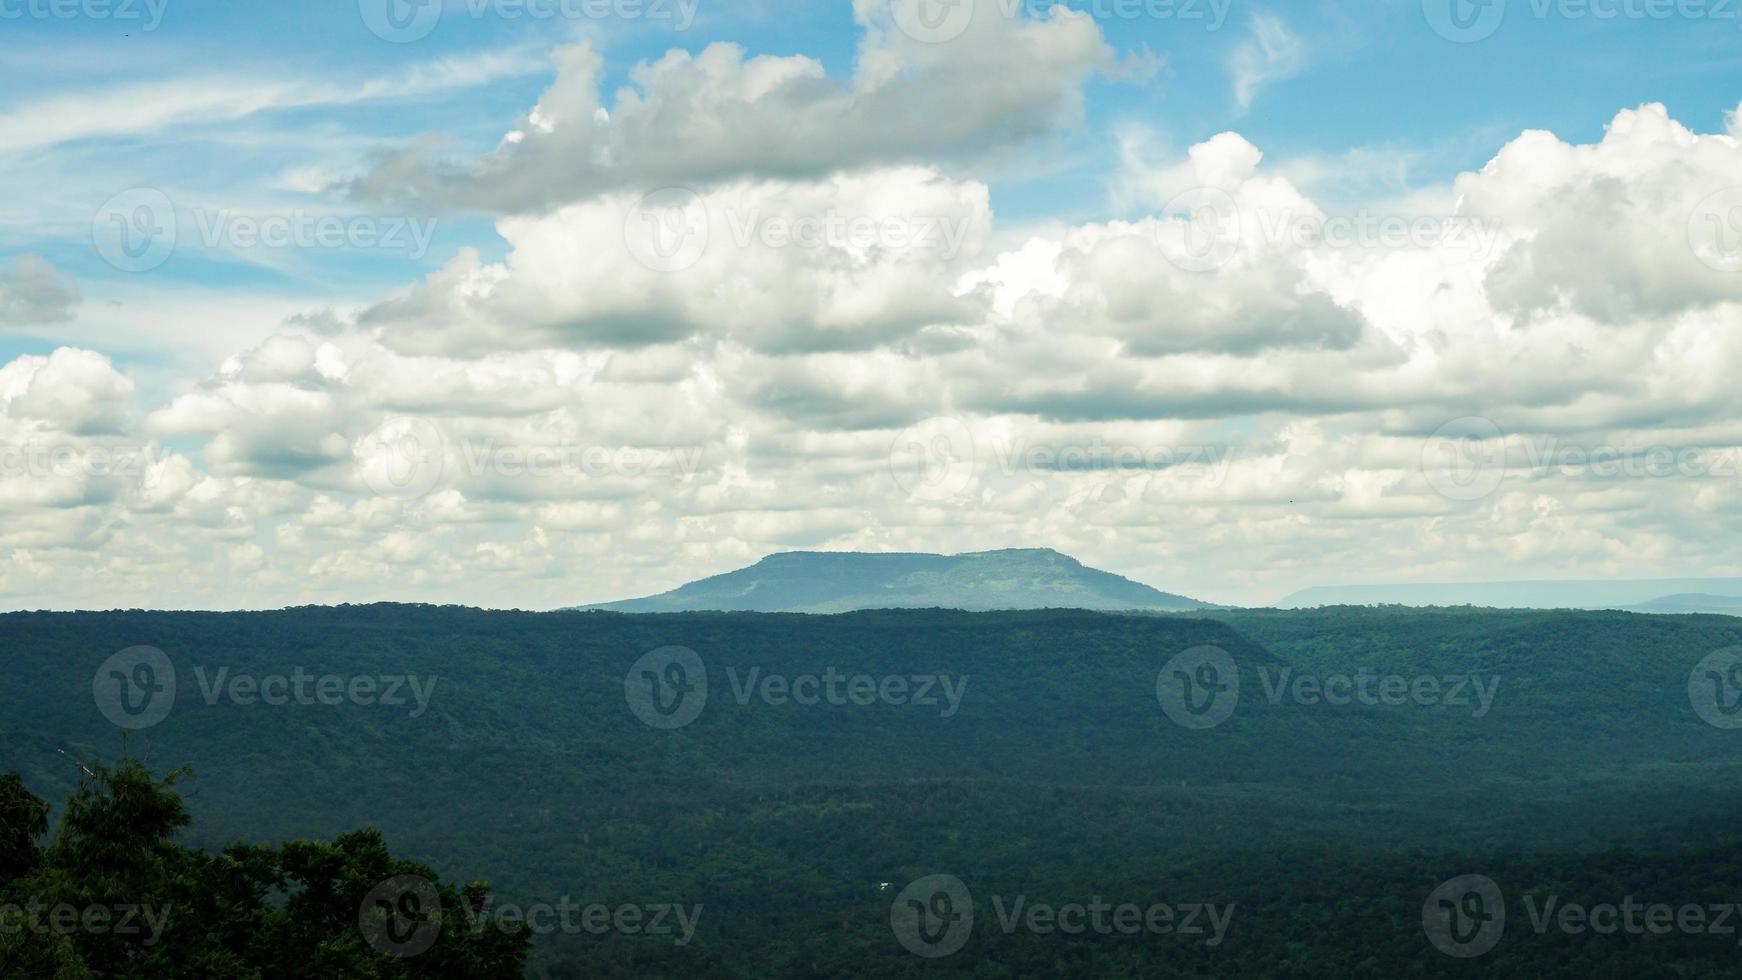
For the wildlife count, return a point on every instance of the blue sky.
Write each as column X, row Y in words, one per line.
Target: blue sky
column 1370, row 77
column 491, row 290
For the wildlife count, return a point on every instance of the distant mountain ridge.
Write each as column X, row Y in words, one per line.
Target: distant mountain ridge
column 834, row 582
column 1692, row 602
column 1644, row 595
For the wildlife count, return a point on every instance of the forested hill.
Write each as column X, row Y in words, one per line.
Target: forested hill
column 832, row 582
column 791, row 773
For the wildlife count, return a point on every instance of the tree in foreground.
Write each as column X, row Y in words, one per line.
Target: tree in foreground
column 113, row 895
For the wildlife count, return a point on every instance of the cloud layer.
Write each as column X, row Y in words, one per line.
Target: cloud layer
column 721, row 115
column 33, row 293
column 743, row 306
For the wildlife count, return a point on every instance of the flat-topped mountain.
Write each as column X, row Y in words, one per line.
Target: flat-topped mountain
column 833, row 582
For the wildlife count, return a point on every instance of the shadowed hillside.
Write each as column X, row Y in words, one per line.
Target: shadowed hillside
column 782, row 770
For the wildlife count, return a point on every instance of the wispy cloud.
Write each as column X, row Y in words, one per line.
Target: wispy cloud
column 1271, row 54
column 143, row 109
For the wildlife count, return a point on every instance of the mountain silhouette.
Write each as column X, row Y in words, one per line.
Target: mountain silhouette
column 833, row 582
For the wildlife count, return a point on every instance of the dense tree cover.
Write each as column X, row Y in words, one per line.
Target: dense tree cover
column 114, row 895
column 1058, row 777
